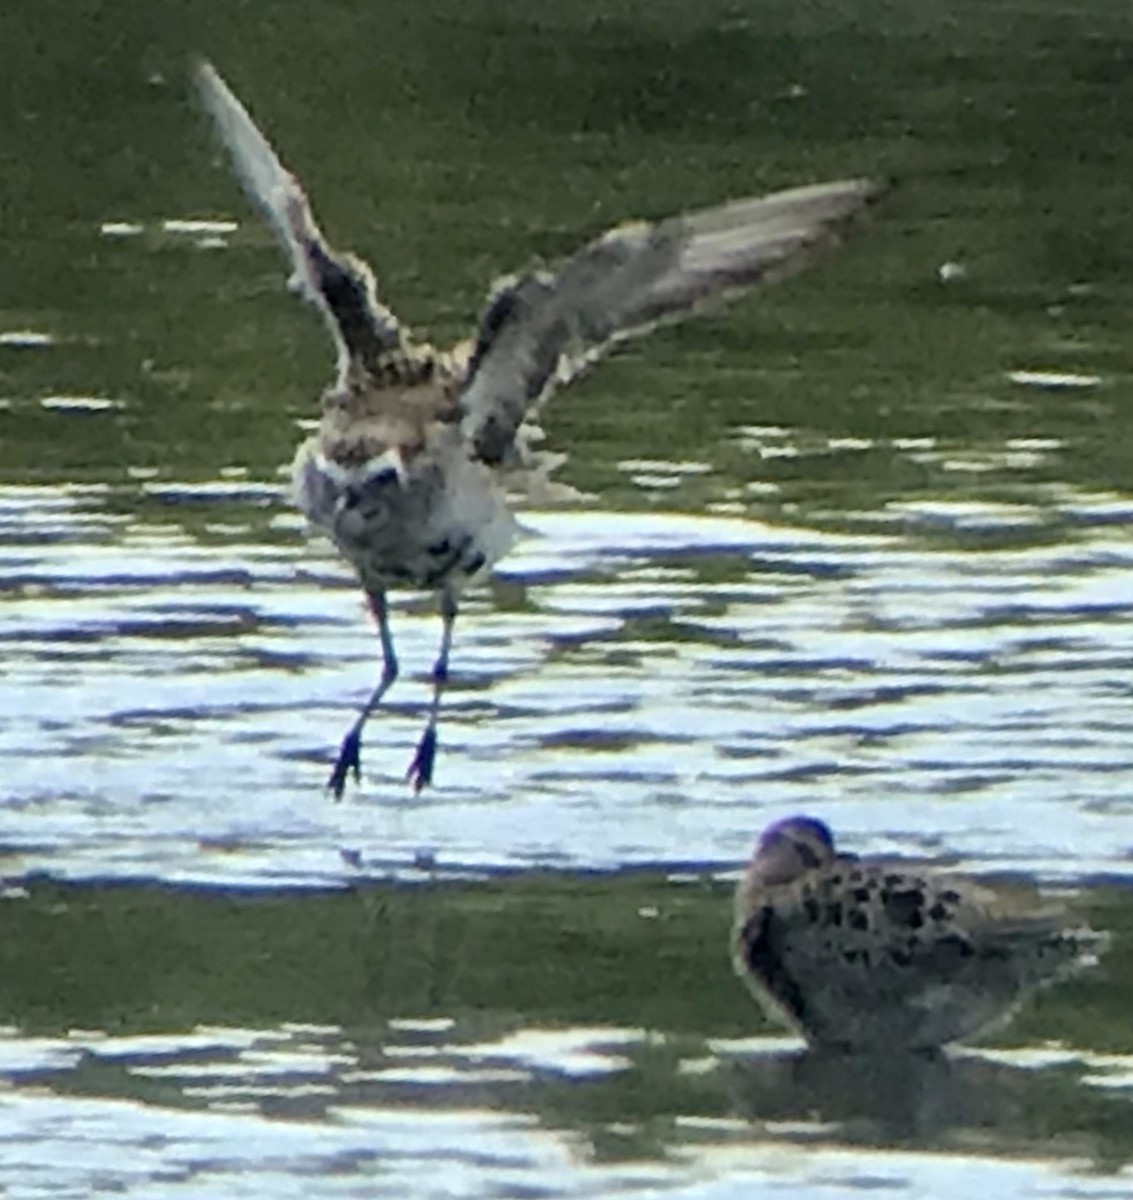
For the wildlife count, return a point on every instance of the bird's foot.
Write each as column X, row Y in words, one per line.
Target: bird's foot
column 420, row 773
column 349, row 759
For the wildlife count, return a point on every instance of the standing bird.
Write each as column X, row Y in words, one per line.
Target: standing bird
column 409, row 470
column 879, row 955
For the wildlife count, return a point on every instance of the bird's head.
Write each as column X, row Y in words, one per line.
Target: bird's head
column 790, row 848
column 356, row 497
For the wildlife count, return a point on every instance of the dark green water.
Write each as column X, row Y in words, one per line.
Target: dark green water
column 451, row 142
column 622, row 978
column 859, row 546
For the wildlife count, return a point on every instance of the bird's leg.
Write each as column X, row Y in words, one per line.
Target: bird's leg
column 349, row 755
column 420, row 771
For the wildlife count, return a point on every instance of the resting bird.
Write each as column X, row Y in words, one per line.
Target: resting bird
column 417, row 447
column 869, row 954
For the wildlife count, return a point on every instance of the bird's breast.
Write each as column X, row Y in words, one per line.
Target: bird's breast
column 435, row 522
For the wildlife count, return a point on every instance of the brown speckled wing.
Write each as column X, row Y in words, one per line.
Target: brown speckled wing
column 340, row 285
column 889, row 930
column 541, row 330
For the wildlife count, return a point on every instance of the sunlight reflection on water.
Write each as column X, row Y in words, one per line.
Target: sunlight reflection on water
column 668, row 684
column 300, row 1109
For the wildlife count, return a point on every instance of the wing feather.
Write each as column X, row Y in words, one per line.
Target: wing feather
column 541, row 330
column 340, row 285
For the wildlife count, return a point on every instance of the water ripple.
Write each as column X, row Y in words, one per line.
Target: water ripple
column 167, row 695
column 428, row 1108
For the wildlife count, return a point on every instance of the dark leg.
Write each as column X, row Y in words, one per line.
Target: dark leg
column 349, row 756
column 420, row 771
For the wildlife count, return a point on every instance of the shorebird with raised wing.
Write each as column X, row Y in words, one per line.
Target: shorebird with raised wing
column 881, row 955
column 417, row 447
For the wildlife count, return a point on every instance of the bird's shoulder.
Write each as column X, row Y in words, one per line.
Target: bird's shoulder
column 861, row 904
column 366, row 413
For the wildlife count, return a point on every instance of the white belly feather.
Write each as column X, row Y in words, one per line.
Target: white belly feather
column 441, row 521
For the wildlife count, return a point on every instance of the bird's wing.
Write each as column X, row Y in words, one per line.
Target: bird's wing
column 1016, row 913
column 541, row 330
column 340, row 285
column 952, row 924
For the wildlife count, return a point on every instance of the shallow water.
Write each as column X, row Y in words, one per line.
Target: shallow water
column 862, row 549
column 653, row 688
column 501, row 1038
column 300, row 1111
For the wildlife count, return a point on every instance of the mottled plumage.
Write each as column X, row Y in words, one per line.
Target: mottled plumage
column 417, row 448
column 875, row 954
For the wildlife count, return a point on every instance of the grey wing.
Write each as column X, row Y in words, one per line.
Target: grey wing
column 543, row 329
column 340, row 285
column 1011, row 921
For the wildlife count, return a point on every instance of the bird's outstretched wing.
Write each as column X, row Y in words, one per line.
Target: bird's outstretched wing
column 541, row 330
column 340, row 285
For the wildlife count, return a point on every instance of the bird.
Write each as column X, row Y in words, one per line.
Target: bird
column 418, row 448
column 876, row 955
